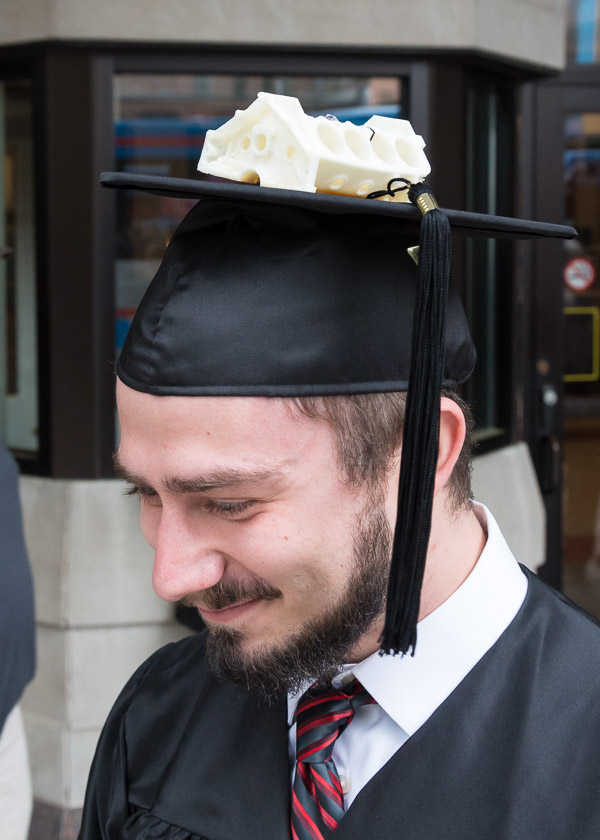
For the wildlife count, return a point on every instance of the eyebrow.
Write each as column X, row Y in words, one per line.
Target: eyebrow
column 200, row 484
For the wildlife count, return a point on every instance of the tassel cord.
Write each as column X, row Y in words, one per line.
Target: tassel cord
column 421, row 433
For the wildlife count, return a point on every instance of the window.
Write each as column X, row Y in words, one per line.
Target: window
column 488, row 268
column 18, row 321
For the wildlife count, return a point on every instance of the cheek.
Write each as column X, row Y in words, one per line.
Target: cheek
column 307, row 560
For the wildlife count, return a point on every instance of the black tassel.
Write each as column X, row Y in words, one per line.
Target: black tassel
column 421, row 428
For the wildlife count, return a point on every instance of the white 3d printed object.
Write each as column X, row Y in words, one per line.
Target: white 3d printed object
column 274, row 143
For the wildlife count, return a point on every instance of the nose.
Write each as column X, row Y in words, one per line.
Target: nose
column 187, row 557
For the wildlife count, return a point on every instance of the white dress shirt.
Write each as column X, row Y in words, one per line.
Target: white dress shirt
column 408, row 689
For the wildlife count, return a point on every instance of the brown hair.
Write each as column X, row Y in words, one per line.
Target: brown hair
column 368, row 431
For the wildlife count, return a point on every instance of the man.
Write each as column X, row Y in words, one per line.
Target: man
column 264, row 428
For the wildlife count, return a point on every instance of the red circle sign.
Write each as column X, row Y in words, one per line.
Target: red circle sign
column 579, row 274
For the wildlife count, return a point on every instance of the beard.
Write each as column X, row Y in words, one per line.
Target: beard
column 316, row 651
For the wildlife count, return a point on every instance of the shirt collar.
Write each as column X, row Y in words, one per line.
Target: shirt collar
column 451, row 639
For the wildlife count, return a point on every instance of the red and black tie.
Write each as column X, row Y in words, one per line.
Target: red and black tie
column 317, row 798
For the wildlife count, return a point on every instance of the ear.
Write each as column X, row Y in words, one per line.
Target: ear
column 452, row 437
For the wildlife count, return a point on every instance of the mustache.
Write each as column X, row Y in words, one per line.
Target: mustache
column 229, row 593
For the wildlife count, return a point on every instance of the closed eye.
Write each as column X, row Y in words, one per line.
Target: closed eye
column 141, row 492
column 228, row 508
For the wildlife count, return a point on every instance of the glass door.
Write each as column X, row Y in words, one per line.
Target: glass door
column 581, row 299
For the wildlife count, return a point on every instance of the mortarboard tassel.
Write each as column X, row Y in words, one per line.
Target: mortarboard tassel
column 421, row 428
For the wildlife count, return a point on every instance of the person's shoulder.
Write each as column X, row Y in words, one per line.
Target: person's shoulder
column 173, row 661
column 565, row 637
column 560, row 608
column 168, row 672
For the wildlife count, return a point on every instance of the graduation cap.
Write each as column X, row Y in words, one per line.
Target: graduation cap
column 277, row 292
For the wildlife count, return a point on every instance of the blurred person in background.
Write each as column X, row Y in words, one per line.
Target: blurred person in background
column 17, row 662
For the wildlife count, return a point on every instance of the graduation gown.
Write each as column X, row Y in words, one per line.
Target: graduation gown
column 512, row 754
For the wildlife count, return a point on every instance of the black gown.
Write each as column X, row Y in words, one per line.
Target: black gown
column 512, row 754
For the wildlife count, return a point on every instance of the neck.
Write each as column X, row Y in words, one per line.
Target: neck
column 455, row 545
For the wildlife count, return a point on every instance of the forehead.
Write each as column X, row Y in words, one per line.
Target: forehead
column 225, row 429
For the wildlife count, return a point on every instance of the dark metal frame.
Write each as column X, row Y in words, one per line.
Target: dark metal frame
column 74, row 229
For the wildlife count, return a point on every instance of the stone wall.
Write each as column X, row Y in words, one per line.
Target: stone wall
column 529, row 32
column 98, row 619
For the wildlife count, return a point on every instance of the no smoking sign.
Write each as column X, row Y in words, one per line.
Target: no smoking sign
column 579, row 274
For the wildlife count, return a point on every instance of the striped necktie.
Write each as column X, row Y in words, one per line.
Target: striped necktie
column 317, row 798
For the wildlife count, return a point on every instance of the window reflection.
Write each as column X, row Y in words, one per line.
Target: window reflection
column 18, row 307
column 583, row 33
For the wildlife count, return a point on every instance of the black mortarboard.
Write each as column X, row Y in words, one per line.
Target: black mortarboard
column 272, row 292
